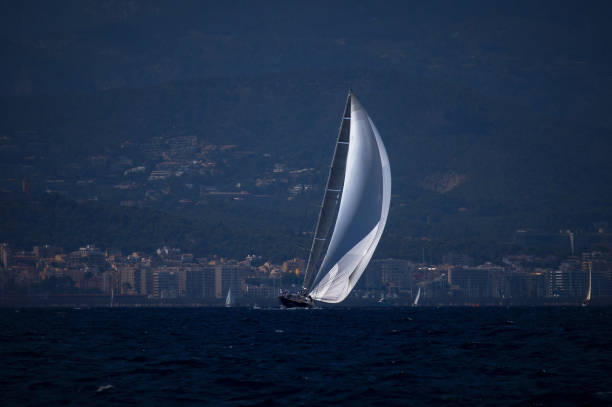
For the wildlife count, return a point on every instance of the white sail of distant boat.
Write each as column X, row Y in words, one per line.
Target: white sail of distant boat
column 229, row 300
column 587, row 298
column 416, row 299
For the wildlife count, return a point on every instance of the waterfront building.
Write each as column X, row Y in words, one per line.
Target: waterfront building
column 568, row 281
column 194, row 282
column 260, row 289
column 165, row 283
column 473, row 283
column 47, row 251
column 129, row 277
column 525, row 285
column 88, row 255
column 396, row 275
column 146, row 280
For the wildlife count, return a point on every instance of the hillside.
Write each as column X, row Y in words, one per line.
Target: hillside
column 495, row 119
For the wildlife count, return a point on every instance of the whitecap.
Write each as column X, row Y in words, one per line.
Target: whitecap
column 104, row 388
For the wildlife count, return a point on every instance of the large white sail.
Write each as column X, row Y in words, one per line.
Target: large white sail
column 362, row 214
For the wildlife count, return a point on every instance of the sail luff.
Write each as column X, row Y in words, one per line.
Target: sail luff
column 331, row 197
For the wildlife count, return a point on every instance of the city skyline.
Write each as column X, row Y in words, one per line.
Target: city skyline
column 172, row 277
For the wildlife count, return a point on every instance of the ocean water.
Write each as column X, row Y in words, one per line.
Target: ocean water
column 238, row 356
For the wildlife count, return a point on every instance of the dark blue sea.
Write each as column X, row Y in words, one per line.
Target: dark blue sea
column 238, row 356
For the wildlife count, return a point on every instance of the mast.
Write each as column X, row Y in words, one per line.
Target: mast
column 331, row 198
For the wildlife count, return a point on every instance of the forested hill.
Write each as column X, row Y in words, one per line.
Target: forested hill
column 495, row 116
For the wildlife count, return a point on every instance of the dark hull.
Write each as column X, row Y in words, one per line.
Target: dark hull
column 295, row 302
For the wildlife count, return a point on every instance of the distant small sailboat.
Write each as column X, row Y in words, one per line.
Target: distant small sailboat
column 353, row 212
column 229, row 299
column 382, row 298
column 587, row 298
column 112, row 297
column 416, row 299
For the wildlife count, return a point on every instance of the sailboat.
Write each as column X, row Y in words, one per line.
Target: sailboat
column 229, row 300
column 587, row 298
column 353, row 212
column 416, row 299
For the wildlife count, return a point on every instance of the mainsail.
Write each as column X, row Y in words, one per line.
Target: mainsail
column 354, row 209
column 588, row 295
column 416, row 299
column 229, row 300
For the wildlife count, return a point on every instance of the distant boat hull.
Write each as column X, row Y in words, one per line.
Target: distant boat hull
column 291, row 301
